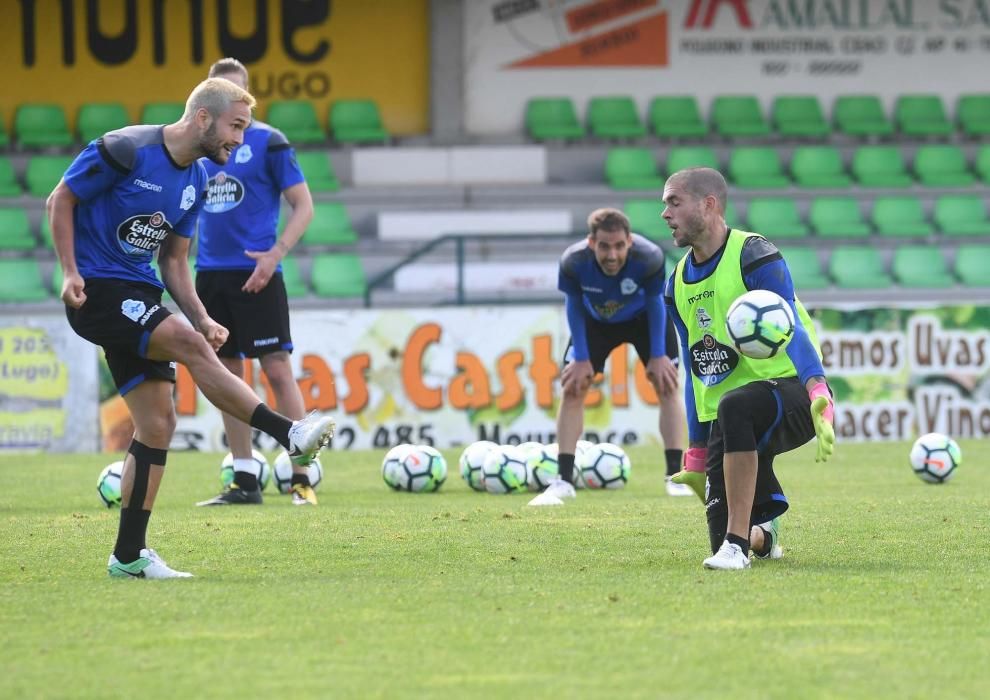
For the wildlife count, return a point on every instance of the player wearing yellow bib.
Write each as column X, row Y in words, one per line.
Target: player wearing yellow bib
column 741, row 412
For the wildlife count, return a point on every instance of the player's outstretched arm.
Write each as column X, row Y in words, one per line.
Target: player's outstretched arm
column 60, row 205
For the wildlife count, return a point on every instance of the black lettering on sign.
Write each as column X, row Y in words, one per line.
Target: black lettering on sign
column 111, row 50
column 298, row 14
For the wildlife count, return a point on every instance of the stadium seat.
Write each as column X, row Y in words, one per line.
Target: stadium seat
column 338, row 276
column 819, row 166
column 900, row 216
column 806, row 269
column 675, row 116
column 297, row 120
column 799, row 115
column 738, row 115
column 732, row 218
column 858, row 267
column 942, row 166
column 330, row 226
column 8, row 180
column 775, row 217
column 682, row 157
column 757, row 167
column 41, row 125
column 15, row 230
column 973, row 112
column 318, row 170
column 982, row 164
column 614, row 117
column 921, row 266
column 552, row 118
column 46, row 233
column 357, row 121
column 4, row 139
column 644, row 218
column 56, row 281
column 20, row 281
column 973, row 265
column 861, row 115
column 962, row 215
column 837, row 217
column 921, row 115
column 880, row 166
column 96, row 119
column 44, row 172
column 632, row 169
column 295, row 285
column 162, row 112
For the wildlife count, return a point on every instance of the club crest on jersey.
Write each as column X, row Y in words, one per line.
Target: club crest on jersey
column 609, row 309
column 702, row 317
column 711, row 361
column 628, row 286
column 223, row 193
column 132, row 308
column 188, row 198
column 243, row 154
column 142, row 234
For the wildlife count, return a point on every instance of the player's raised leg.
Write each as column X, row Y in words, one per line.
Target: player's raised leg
column 278, row 368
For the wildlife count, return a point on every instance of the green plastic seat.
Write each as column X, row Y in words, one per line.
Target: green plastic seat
column 96, row 119
column 973, row 112
column 757, row 167
column 4, row 138
column 330, row 226
column 297, row 120
column 295, row 285
column 921, row 115
column 56, row 281
column 973, row 265
column 614, row 117
column 44, row 172
column 632, row 169
column 8, row 179
column 357, row 121
column 837, row 217
column 318, row 170
column 962, row 215
column 20, row 281
column 676, row 116
column 46, row 233
column 162, row 112
column 552, row 118
column 858, row 267
column 732, row 218
column 880, row 166
column 683, row 157
column 775, row 217
column 738, row 115
column 819, row 166
column 15, row 230
column 861, row 115
column 799, row 115
column 805, row 267
column 921, row 267
column 900, row 216
column 644, row 218
column 41, row 125
column 339, row 275
column 982, row 163
column 942, row 166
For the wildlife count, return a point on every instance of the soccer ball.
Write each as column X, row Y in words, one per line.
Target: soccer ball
column 760, row 323
column 472, row 463
column 283, row 472
column 604, row 466
column 108, row 484
column 227, row 469
column 541, row 467
column 505, row 470
column 934, row 457
column 416, row 468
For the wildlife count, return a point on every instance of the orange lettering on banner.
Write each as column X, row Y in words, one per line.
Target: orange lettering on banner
column 512, row 393
column 644, row 387
column 619, row 375
column 470, row 388
column 543, row 370
column 587, row 16
column 316, row 384
column 355, row 371
column 639, row 43
column 185, row 391
column 424, row 397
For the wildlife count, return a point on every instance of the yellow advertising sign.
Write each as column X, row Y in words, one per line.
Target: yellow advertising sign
column 33, row 383
column 72, row 52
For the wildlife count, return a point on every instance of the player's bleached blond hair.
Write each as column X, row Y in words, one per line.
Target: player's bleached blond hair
column 703, row 182
column 215, row 95
column 608, row 219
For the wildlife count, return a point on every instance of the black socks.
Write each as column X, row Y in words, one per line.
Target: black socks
column 743, row 542
column 275, row 424
column 133, row 525
column 673, row 458
column 566, row 463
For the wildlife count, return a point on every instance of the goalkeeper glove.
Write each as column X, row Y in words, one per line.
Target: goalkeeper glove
column 693, row 473
column 822, row 414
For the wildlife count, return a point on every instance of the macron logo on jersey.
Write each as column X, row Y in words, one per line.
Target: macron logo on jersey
column 147, row 185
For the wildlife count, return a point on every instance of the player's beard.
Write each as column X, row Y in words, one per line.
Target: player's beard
column 691, row 229
column 212, row 147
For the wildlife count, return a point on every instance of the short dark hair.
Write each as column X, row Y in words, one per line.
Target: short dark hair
column 608, row 219
column 702, row 182
column 226, row 66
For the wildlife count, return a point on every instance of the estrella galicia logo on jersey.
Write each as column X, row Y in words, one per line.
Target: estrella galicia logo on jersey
column 702, row 317
column 243, row 154
column 223, row 193
column 132, row 308
column 142, row 234
column 711, row 361
column 609, row 309
column 188, row 198
column 628, row 286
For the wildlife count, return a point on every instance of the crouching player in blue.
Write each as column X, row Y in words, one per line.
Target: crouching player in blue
column 741, row 412
column 613, row 283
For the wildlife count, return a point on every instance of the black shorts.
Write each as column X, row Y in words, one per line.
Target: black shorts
column 120, row 316
column 772, row 416
column 258, row 322
column 603, row 338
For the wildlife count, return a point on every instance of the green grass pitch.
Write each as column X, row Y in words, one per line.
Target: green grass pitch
column 882, row 591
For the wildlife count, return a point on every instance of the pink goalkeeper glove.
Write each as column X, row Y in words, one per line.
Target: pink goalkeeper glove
column 822, row 414
column 821, row 389
column 695, row 458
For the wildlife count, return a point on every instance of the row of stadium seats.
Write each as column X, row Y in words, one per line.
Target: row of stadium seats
column 835, row 217
column 761, row 167
column 45, row 125
column 733, row 116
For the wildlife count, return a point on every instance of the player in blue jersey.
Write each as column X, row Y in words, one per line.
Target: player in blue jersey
column 239, row 277
column 612, row 283
column 742, row 416
column 130, row 193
